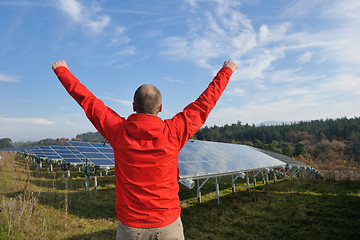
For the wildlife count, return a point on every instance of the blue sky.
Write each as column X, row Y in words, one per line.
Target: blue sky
column 297, row 60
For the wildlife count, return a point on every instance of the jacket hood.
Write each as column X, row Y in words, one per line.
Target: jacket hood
column 144, row 126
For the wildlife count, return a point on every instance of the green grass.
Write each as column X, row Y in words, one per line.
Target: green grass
column 296, row 209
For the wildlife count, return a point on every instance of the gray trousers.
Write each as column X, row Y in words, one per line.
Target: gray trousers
column 173, row 231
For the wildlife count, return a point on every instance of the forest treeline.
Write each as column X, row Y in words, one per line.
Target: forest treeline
column 321, row 143
column 324, row 143
column 84, row 137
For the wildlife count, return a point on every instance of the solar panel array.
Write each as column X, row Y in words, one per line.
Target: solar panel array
column 78, row 153
column 198, row 159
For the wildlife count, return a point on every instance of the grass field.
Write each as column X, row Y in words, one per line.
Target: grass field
column 40, row 205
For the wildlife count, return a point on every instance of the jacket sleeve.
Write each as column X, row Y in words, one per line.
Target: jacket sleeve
column 104, row 119
column 193, row 117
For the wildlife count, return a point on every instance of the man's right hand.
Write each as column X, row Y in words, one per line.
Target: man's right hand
column 59, row 64
column 231, row 65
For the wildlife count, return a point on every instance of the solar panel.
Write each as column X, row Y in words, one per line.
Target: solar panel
column 284, row 158
column 37, row 152
column 200, row 159
column 97, row 153
column 49, row 153
column 69, row 154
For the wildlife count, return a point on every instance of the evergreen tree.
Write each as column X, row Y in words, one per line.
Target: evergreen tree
column 287, row 149
column 300, row 149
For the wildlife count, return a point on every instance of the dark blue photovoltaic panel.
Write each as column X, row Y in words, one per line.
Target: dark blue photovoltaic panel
column 69, row 154
column 37, row 152
column 49, row 153
column 106, row 150
column 93, row 155
column 79, row 144
column 97, row 145
column 103, row 162
column 96, row 153
column 86, row 149
column 110, row 155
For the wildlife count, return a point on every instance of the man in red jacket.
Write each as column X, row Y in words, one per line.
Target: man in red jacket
column 146, row 152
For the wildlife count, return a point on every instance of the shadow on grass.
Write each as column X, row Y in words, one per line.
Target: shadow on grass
column 279, row 212
column 104, row 234
column 92, row 205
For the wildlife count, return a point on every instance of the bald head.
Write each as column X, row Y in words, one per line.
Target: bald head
column 147, row 99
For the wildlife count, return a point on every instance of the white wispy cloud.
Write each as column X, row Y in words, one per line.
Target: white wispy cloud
column 212, row 34
column 344, row 83
column 88, row 16
column 172, row 79
column 273, row 34
column 277, row 89
column 306, row 57
column 119, row 101
column 127, row 51
column 236, row 92
column 225, row 31
column 9, row 78
column 36, row 121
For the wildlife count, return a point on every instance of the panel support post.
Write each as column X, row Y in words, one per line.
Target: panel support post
column 267, row 177
column 275, row 178
column 247, row 182
column 254, row 176
column 217, row 198
column 232, row 183
column 198, row 191
column 262, row 176
column 284, row 173
column 95, row 179
column 87, row 182
column 87, row 174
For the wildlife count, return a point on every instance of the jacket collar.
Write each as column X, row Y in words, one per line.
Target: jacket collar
column 144, row 126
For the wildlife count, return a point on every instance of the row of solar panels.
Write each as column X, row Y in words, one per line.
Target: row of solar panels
column 77, row 153
column 197, row 159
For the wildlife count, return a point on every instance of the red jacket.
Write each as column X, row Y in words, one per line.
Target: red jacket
column 146, row 150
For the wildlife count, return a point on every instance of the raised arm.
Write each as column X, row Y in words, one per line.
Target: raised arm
column 102, row 117
column 193, row 117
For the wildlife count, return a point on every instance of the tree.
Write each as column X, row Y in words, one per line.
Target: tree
column 259, row 144
column 356, row 145
column 274, row 146
column 6, row 143
column 300, row 149
column 287, row 149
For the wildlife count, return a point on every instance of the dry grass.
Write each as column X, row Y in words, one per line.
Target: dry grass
column 41, row 205
column 18, row 211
